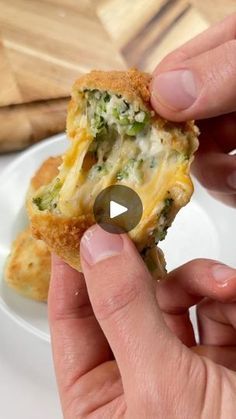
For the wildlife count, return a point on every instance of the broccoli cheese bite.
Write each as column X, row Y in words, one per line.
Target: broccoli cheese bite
column 116, row 139
column 28, row 266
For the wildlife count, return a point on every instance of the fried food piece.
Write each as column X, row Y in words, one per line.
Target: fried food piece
column 28, row 267
column 116, row 139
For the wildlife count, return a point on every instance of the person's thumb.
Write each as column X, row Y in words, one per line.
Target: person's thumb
column 199, row 87
column 121, row 292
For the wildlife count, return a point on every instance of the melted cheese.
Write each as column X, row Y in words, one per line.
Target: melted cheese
column 153, row 164
column 80, row 187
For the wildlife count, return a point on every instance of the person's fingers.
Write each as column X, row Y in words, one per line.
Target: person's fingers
column 181, row 325
column 217, row 322
column 77, row 339
column 200, row 87
column 186, row 286
column 223, row 355
column 213, row 168
column 100, row 393
column 221, row 129
column 122, row 294
column 212, row 37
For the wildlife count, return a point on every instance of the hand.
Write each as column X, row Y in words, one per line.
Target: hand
column 121, row 342
column 198, row 81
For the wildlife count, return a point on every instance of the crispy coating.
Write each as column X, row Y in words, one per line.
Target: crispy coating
column 28, row 267
column 46, row 173
column 131, row 84
column 61, row 234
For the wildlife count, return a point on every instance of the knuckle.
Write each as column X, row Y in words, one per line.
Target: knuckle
column 115, row 299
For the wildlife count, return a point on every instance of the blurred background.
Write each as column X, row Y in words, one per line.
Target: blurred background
column 46, row 44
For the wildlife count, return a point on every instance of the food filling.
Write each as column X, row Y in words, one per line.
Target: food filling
column 117, row 142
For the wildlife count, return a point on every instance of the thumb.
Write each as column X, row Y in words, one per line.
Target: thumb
column 121, row 292
column 199, row 87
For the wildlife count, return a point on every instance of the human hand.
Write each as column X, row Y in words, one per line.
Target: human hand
column 198, row 81
column 121, row 342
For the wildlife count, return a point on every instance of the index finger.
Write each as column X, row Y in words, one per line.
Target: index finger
column 212, row 37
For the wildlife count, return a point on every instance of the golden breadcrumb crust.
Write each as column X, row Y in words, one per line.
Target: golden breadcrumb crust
column 28, row 267
column 46, row 173
column 61, row 234
column 132, row 84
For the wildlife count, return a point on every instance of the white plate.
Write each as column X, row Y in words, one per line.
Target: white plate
column 203, row 229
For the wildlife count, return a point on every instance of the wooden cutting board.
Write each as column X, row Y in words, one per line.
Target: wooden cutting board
column 46, row 44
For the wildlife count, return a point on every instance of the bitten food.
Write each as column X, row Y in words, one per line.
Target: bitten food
column 116, row 138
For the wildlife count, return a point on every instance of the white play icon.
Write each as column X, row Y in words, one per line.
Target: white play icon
column 116, row 209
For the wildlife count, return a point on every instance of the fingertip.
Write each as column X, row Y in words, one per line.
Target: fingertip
column 97, row 245
column 176, row 89
column 197, row 279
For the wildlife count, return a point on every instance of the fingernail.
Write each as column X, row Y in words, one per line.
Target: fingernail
column 223, row 273
column 232, row 180
column 175, row 89
column 97, row 245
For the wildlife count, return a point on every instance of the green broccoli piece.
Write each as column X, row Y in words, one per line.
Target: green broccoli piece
column 45, row 201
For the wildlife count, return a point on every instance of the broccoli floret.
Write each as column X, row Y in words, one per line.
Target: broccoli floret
column 105, row 111
column 161, row 231
column 153, row 162
column 131, row 169
column 167, row 206
column 135, row 128
column 47, row 200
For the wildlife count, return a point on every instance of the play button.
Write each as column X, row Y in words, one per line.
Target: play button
column 118, row 209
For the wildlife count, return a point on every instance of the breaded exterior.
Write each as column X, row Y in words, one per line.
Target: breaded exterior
column 28, row 267
column 63, row 234
column 132, row 85
column 46, row 173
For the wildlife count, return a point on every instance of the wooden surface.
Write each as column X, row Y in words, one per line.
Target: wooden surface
column 46, row 44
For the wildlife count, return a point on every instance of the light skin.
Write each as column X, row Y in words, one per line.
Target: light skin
column 123, row 345
column 198, row 81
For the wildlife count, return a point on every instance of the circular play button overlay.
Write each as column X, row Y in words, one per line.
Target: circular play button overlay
column 118, row 209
